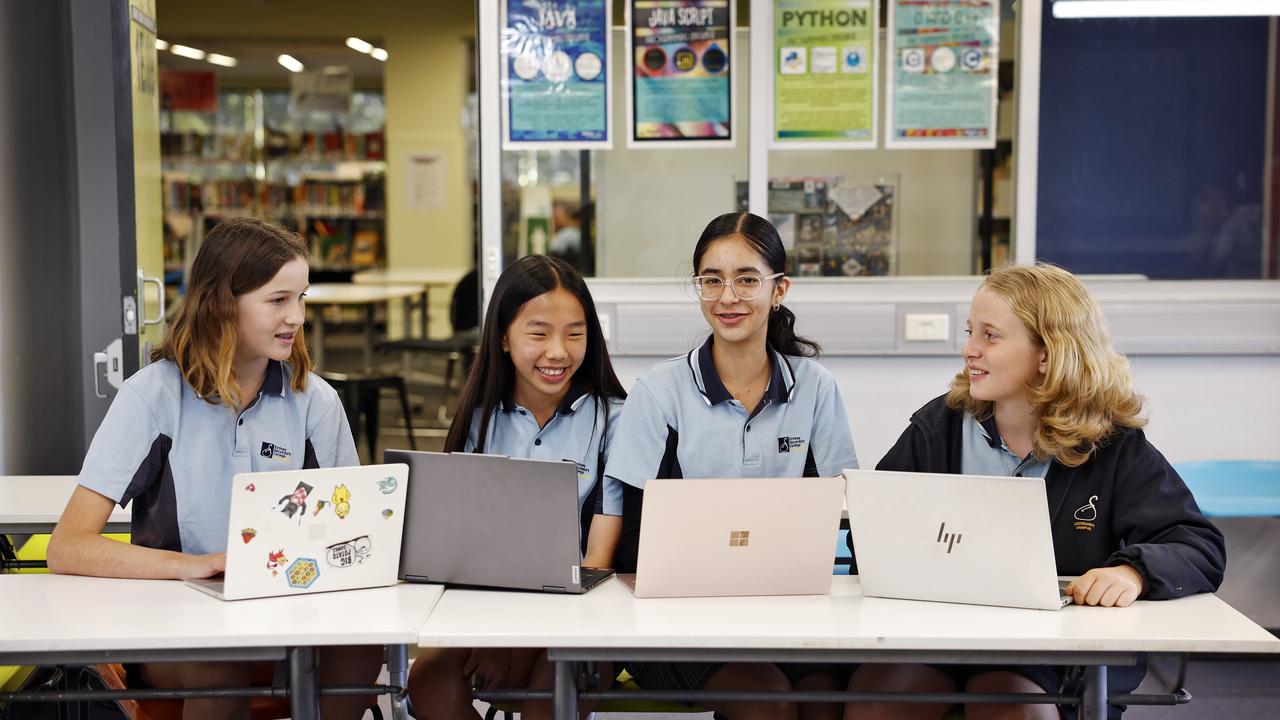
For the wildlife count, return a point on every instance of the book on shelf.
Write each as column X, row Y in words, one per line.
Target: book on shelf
column 366, row 244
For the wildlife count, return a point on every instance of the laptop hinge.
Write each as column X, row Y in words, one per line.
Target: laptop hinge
column 553, row 588
column 415, row 578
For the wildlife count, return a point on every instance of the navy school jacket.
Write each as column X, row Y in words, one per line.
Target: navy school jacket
column 1126, row 504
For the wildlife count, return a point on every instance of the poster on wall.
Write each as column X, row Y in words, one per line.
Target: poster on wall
column 824, row 74
column 834, row 226
column 943, row 62
column 679, row 63
column 555, row 74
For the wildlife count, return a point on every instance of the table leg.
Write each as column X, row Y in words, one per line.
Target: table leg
column 1094, row 701
column 317, row 338
column 368, row 337
column 398, row 670
column 406, row 325
column 304, row 696
column 423, row 305
column 565, row 699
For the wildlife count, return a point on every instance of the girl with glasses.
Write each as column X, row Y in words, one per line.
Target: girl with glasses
column 749, row 402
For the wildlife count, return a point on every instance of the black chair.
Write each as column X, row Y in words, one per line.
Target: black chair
column 464, row 313
column 361, row 398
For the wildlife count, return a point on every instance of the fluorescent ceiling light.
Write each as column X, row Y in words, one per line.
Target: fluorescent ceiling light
column 379, row 54
column 187, row 52
column 359, row 45
column 223, row 60
column 1164, row 8
column 162, row 44
column 290, row 63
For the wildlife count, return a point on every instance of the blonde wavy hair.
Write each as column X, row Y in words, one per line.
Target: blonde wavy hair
column 1087, row 392
column 238, row 256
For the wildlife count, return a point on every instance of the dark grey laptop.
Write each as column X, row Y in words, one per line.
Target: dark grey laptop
column 492, row 521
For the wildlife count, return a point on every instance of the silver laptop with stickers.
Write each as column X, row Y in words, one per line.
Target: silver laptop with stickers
column 737, row 536
column 954, row 538
column 307, row 531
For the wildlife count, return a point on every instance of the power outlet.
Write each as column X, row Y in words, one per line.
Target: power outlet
column 926, row 327
column 604, row 326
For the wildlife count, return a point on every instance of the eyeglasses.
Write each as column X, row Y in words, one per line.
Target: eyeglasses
column 745, row 287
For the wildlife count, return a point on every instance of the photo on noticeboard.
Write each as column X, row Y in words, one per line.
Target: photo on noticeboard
column 832, row 227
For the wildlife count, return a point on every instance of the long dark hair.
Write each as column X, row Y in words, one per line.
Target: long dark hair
column 763, row 238
column 492, row 376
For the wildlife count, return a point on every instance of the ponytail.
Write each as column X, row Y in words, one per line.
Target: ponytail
column 782, row 335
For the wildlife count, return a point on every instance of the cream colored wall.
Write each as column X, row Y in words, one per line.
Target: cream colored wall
column 425, row 82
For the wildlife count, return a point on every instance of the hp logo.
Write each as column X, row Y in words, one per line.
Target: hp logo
column 950, row 538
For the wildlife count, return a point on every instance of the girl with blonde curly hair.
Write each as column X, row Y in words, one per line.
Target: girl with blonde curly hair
column 1043, row 394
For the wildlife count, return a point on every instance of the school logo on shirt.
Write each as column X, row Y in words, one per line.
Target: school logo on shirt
column 792, row 445
column 1086, row 515
column 271, row 451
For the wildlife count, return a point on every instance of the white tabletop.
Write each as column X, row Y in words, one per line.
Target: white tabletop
column 45, row 613
column 439, row 277
column 38, row 501
column 610, row 617
column 353, row 294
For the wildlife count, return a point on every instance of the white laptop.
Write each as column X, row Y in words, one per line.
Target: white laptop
column 737, row 536
column 307, row 531
column 954, row 538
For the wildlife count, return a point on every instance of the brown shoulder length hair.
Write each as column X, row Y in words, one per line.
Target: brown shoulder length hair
column 237, row 256
column 1087, row 393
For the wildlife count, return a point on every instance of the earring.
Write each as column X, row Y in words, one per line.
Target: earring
column 776, row 305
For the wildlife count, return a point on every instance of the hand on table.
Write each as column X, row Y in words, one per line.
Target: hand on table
column 203, row 566
column 1115, row 586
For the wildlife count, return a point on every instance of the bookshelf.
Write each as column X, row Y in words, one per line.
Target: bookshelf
column 321, row 174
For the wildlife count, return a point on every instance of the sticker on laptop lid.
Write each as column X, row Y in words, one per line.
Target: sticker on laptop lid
column 348, row 553
column 341, row 501
column 248, row 534
column 302, row 573
column 388, row 485
column 276, row 558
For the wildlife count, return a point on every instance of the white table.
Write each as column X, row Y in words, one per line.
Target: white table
column 62, row 619
column 31, row 504
column 355, row 294
column 608, row 623
column 438, row 278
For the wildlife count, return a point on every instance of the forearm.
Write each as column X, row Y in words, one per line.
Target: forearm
column 602, row 541
column 98, row 556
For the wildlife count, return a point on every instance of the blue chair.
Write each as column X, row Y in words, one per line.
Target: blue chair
column 1234, row 488
column 842, row 553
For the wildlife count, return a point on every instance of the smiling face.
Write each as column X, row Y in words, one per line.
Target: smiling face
column 270, row 317
column 732, row 319
column 547, row 341
column 1001, row 357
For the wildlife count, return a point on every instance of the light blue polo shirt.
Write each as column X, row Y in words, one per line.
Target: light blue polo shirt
column 574, row 433
column 173, row 455
column 983, row 452
column 680, row 421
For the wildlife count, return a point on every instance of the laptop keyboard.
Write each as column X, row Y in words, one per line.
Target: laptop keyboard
column 591, row 576
column 219, row 586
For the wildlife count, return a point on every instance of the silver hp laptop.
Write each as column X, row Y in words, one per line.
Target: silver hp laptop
column 493, row 521
column 737, row 536
column 307, row 531
column 954, row 538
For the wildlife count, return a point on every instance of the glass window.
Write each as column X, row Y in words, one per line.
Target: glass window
column 1154, row 141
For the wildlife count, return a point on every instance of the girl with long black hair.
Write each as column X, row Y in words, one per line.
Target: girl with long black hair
column 542, row 386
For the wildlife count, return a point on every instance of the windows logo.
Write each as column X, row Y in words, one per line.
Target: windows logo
column 739, row 538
